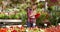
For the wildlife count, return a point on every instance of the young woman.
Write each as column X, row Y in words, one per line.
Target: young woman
column 31, row 12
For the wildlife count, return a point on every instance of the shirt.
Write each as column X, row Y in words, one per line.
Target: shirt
column 30, row 19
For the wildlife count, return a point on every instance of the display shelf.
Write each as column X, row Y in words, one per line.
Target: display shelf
column 9, row 20
column 13, row 26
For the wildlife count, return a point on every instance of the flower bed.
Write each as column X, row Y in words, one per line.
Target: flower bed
column 21, row 29
column 53, row 29
column 34, row 29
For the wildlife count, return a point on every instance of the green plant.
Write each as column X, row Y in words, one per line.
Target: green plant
column 40, row 19
column 1, row 16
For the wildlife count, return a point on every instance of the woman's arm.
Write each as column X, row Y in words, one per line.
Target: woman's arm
column 33, row 13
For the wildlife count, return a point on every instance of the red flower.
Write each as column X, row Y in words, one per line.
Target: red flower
column 14, row 31
column 3, row 30
column 37, row 15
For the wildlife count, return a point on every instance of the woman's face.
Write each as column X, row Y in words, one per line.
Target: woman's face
column 34, row 6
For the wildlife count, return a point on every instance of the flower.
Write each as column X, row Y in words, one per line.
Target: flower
column 14, row 31
column 37, row 15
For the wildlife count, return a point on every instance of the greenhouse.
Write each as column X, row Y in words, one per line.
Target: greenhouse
column 29, row 15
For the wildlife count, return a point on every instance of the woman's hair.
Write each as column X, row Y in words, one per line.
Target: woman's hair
column 34, row 4
column 28, row 8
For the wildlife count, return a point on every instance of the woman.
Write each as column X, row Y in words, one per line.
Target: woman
column 31, row 12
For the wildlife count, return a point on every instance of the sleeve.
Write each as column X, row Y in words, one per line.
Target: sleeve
column 28, row 12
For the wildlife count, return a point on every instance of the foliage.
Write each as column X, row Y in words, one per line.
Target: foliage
column 22, row 14
column 1, row 16
column 54, row 13
column 40, row 19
